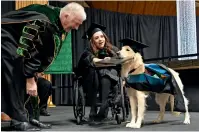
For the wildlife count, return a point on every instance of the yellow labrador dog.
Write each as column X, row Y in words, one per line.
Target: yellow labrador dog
column 138, row 98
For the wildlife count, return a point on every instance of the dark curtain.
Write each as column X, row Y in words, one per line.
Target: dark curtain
column 159, row 32
column 7, row 6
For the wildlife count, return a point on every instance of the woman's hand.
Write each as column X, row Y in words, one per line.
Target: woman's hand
column 96, row 60
column 31, row 86
column 107, row 58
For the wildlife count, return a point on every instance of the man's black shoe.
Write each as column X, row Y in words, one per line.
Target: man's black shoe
column 92, row 117
column 44, row 113
column 102, row 118
column 40, row 124
column 22, row 126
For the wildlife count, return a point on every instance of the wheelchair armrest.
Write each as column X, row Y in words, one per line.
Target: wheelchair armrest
column 77, row 78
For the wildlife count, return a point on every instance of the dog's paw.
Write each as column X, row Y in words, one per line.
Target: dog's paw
column 137, row 126
column 176, row 113
column 130, row 124
column 157, row 121
column 133, row 125
column 187, row 121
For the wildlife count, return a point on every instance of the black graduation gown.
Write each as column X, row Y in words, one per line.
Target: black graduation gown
column 18, row 65
column 92, row 76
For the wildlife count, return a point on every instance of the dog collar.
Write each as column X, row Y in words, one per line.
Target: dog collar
column 131, row 71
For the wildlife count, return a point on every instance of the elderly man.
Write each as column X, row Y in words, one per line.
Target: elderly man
column 30, row 40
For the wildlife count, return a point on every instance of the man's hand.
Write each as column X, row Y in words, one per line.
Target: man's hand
column 31, row 87
column 40, row 74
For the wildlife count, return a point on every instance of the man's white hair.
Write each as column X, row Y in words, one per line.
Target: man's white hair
column 74, row 8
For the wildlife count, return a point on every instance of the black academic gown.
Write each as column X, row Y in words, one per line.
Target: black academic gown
column 22, row 59
column 92, row 76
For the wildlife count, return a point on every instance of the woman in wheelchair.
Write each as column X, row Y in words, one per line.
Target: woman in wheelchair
column 106, row 78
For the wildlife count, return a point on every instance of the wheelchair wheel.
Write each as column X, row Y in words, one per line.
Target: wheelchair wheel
column 118, row 119
column 75, row 98
column 123, row 102
column 78, row 120
column 79, row 102
column 127, row 107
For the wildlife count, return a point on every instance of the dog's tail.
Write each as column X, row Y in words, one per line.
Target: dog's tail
column 179, row 82
column 186, row 102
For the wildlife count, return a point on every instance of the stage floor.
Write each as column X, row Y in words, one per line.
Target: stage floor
column 62, row 119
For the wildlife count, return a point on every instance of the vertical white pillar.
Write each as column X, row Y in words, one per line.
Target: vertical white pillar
column 186, row 28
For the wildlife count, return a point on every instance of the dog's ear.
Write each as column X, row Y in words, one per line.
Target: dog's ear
column 138, row 55
column 138, row 58
column 134, row 56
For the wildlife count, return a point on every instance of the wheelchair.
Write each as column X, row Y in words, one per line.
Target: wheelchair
column 119, row 112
